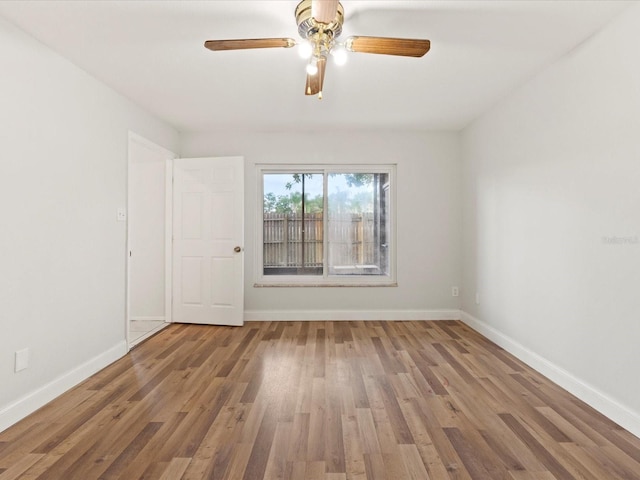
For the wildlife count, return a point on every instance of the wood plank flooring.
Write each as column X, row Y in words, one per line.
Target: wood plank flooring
column 318, row 401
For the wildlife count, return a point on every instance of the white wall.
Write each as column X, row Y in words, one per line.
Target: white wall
column 428, row 204
column 63, row 174
column 551, row 175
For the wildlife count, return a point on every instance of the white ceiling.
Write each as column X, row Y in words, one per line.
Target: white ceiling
column 152, row 52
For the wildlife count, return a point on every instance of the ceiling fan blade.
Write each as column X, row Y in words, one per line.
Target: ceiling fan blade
column 242, row 44
column 324, row 11
column 405, row 47
column 315, row 82
column 312, row 86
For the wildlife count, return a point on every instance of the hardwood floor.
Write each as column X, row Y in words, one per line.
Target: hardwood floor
column 318, row 400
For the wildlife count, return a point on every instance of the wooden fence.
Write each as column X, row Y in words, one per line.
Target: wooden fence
column 351, row 240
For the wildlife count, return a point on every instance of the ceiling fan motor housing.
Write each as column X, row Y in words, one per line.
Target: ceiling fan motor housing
column 308, row 27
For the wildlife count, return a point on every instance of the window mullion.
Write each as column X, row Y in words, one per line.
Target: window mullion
column 325, row 226
column 302, row 228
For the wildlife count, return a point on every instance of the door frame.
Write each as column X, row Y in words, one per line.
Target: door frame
column 168, row 241
column 136, row 138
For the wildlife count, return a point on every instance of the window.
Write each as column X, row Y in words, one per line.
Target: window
column 326, row 225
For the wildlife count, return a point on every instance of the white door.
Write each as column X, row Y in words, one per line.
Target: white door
column 208, row 233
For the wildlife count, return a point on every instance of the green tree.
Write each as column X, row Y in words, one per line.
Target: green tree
column 314, row 205
column 292, row 203
column 358, row 179
column 289, row 204
column 352, row 179
column 269, row 203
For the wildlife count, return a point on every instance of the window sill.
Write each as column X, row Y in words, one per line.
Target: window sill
column 321, row 284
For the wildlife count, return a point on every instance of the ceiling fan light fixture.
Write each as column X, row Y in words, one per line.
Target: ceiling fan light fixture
column 339, row 54
column 312, row 66
column 305, row 50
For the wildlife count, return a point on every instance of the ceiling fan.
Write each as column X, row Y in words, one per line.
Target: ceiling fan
column 319, row 25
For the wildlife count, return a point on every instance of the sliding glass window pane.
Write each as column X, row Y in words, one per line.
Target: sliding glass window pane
column 358, row 223
column 313, row 224
column 292, row 224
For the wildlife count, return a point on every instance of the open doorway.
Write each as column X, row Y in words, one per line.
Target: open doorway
column 147, row 243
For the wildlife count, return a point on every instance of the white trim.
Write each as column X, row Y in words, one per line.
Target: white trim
column 337, row 315
column 148, row 319
column 134, row 137
column 127, row 255
column 169, row 155
column 168, row 242
column 611, row 408
column 28, row 404
column 148, row 334
column 310, row 283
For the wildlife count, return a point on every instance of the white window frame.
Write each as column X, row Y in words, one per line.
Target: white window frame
column 325, row 280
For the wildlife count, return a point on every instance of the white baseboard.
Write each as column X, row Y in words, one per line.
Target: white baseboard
column 337, row 315
column 147, row 319
column 28, row 404
column 150, row 333
column 597, row 399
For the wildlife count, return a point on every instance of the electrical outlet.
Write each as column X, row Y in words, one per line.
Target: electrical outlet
column 22, row 359
column 477, row 298
column 122, row 214
column 455, row 291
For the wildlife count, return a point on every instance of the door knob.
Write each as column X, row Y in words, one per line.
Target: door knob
column 237, row 249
